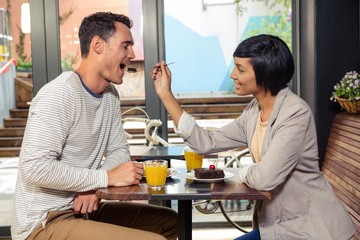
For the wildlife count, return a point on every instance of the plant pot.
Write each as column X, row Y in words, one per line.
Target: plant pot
column 352, row 106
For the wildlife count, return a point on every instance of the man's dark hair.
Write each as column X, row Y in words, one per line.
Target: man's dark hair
column 100, row 24
column 271, row 59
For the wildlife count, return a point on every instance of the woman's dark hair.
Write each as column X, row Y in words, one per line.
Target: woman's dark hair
column 100, row 24
column 271, row 59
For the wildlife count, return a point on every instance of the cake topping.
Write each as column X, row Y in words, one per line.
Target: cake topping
column 212, row 167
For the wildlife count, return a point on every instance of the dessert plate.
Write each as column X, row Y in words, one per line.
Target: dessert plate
column 191, row 175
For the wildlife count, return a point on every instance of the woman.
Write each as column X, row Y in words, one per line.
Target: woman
column 278, row 127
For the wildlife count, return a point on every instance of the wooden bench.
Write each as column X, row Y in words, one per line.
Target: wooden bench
column 341, row 164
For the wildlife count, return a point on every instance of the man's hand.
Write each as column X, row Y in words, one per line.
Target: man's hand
column 85, row 202
column 126, row 174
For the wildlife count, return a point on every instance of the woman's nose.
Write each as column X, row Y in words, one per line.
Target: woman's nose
column 233, row 75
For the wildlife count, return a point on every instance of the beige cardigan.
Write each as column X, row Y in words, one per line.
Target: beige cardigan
column 303, row 204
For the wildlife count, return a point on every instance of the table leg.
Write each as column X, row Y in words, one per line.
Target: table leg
column 185, row 219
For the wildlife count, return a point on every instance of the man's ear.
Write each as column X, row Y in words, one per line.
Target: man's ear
column 97, row 44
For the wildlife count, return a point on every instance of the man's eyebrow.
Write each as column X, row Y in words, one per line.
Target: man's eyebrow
column 128, row 42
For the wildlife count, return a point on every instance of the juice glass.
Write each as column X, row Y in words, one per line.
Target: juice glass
column 155, row 173
column 192, row 159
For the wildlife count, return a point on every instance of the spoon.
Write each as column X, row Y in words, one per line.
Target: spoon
column 134, row 70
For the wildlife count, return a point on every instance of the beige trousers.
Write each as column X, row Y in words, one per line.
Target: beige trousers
column 112, row 221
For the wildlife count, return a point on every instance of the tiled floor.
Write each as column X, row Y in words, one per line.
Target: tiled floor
column 215, row 234
column 205, row 226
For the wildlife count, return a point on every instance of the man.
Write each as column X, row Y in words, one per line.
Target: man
column 74, row 124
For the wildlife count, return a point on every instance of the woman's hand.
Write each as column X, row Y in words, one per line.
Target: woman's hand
column 162, row 80
column 161, row 75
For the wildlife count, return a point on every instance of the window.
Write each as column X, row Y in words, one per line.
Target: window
column 201, row 36
column 72, row 12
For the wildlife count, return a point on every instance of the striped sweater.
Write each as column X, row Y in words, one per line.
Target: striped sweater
column 69, row 131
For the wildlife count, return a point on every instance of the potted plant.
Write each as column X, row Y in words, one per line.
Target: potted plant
column 347, row 92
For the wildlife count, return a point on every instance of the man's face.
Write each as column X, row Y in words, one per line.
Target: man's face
column 118, row 51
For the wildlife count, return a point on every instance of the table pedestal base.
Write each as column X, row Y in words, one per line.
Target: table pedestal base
column 185, row 219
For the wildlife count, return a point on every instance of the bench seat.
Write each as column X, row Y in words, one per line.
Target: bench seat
column 341, row 164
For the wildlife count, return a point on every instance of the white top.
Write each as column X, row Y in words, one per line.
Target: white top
column 258, row 138
column 69, row 131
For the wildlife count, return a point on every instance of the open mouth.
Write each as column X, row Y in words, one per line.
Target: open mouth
column 122, row 66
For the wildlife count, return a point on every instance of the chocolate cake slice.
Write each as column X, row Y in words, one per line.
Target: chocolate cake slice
column 205, row 173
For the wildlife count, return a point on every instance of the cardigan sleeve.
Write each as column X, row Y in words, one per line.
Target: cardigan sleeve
column 202, row 140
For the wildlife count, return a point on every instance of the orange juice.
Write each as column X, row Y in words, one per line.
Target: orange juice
column 155, row 173
column 193, row 160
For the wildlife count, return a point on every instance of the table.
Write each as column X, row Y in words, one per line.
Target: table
column 139, row 153
column 142, row 153
column 185, row 191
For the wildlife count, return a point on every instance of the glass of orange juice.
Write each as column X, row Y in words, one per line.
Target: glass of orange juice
column 192, row 159
column 155, row 173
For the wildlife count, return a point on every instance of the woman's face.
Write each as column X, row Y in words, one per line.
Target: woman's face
column 244, row 77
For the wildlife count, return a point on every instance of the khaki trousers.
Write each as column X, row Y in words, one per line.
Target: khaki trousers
column 112, row 221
